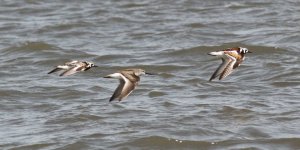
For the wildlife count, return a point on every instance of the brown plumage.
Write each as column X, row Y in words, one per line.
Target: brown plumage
column 72, row 67
column 231, row 59
column 129, row 79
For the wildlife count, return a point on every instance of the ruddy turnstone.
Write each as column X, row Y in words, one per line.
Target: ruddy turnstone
column 129, row 79
column 231, row 59
column 73, row 67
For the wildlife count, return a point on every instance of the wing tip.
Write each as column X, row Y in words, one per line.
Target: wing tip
column 221, row 77
column 111, row 99
column 54, row 70
column 213, row 76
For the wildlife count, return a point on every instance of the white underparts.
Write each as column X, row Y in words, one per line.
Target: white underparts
column 219, row 53
column 63, row 67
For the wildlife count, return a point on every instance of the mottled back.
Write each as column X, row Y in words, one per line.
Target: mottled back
column 131, row 75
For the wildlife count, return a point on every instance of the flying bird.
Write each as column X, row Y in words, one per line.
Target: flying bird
column 231, row 59
column 129, row 79
column 73, row 67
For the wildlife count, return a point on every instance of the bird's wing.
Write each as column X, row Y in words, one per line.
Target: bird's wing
column 118, row 90
column 225, row 62
column 238, row 63
column 55, row 70
column 228, row 69
column 71, row 71
column 123, row 90
column 127, row 89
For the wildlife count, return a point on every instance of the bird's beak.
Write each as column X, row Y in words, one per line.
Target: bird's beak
column 148, row 73
column 249, row 52
column 95, row 66
column 107, row 77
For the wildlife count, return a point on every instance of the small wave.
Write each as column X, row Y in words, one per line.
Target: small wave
column 134, row 5
column 286, row 84
column 254, row 132
column 33, row 146
column 232, row 111
column 264, row 143
column 158, row 142
column 75, row 145
column 113, row 57
column 63, row 27
column 236, row 5
column 169, row 104
column 195, row 25
column 156, row 94
column 71, row 119
column 30, row 46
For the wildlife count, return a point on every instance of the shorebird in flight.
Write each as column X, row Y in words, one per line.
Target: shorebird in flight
column 129, row 79
column 231, row 59
column 73, row 67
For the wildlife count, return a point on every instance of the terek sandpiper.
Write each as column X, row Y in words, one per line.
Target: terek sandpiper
column 129, row 79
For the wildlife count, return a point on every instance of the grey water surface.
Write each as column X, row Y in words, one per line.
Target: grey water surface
column 257, row 107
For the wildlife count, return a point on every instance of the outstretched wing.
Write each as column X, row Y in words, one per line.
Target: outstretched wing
column 55, row 70
column 229, row 68
column 118, row 90
column 127, row 89
column 71, row 71
column 220, row 69
column 66, row 66
column 237, row 63
column 123, row 90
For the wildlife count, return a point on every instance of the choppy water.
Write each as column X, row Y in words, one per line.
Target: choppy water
column 256, row 107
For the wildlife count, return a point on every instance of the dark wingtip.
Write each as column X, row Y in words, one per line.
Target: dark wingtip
column 62, row 74
column 111, row 99
column 52, row 71
column 211, row 78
